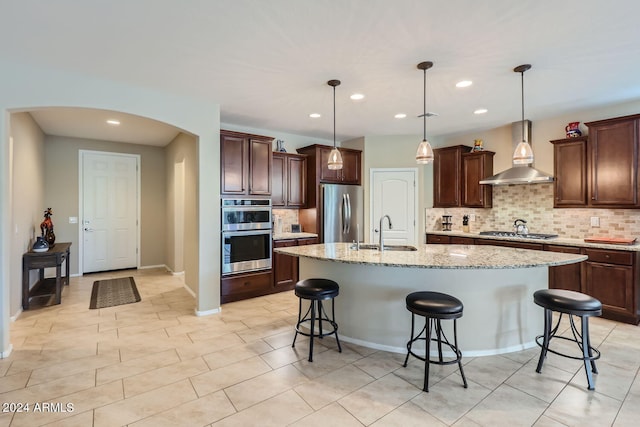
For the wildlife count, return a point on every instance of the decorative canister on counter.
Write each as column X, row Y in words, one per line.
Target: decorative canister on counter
column 573, row 130
column 465, row 223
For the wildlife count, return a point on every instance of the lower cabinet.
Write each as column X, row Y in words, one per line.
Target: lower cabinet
column 285, row 267
column 609, row 277
column 565, row 276
column 243, row 286
column 612, row 276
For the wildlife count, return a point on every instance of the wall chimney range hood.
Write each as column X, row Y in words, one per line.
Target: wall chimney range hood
column 519, row 174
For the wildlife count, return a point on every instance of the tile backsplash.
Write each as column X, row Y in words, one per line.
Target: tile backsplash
column 534, row 203
column 289, row 216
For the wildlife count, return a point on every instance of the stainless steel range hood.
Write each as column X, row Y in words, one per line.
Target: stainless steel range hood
column 519, row 174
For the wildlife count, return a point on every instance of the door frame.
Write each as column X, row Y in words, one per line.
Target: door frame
column 81, row 154
column 415, row 197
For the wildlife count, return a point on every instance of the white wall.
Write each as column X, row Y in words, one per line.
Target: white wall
column 28, row 183
column 25, row 88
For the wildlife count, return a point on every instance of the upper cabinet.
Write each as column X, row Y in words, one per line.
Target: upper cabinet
column 601, row 169
column 289, row 177
column 319, row 157
column 245, row 162
column 570, row 171
column 613, row 160
column 477, row 166
column 456, row 175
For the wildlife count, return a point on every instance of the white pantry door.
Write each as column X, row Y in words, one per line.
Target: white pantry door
column 109, row 208
column 394, row 193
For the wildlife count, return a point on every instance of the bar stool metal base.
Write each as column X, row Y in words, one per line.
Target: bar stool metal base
column 434, row 306
column 316, row 314
column 574, row 304
column 589, row 353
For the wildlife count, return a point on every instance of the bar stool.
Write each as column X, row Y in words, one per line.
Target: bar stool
column 434, row 307
column 316, row 290
column 574, row 304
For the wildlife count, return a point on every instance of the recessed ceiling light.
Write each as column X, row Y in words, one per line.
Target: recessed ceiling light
column 315, row 115
column 357, row 96
column 400, row 116
column 464, row 83
column 113, row 122
column 480, row 111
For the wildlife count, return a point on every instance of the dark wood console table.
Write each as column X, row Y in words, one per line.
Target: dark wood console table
column 54, row 257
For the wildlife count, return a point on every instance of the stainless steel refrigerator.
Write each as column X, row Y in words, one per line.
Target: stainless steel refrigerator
column 342, row 213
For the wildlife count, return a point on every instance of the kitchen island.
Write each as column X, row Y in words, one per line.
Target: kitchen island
column 495, row 284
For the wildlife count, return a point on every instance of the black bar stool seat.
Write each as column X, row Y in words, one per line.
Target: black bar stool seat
column 574, row 304
column 434, row 307
column 316, row 290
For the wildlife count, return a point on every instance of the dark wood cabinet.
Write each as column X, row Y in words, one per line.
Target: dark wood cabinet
column 289, row 180
column 455, row 240
column 245, row 164
column 510, row 244
column 319, row 172
column 611, row 277
column 243, row 286
column 456, row 176
column 350, row 172
column 447, row 170
column 285, row 267
column 475, row 167
column 438, row 239
column 570, row 172
column 565, row 276
column 613, row 160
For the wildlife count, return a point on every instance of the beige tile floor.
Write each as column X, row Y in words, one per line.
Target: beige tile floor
column 155, row 363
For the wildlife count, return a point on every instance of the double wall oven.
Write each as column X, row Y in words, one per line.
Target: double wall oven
column 246, row 235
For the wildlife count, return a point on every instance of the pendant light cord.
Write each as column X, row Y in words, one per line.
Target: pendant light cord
column 424, row 106
column 522, row 100
column 334, row 117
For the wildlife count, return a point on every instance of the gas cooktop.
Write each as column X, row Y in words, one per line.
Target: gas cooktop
column 523, row 236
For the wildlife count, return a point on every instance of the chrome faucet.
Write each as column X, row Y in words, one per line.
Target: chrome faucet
column 381, row 245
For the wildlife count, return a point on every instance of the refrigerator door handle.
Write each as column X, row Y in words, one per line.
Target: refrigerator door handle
column 344, row 212
column 348, row 222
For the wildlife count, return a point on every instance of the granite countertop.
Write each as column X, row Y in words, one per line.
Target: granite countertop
column 300, row 235
column 555, row 241
column 436, row 256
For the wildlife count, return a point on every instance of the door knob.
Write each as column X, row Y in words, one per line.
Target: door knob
column 87, row 229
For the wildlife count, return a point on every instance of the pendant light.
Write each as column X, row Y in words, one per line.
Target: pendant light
column 424, row 154
column 523, row 154
column 335, row 158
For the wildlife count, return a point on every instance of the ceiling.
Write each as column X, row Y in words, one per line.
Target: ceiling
column 267, row 63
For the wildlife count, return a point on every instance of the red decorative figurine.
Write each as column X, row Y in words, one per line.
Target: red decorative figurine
column 46, row 227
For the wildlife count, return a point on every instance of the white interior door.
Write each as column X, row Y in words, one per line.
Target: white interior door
column 109, row 211
column 394, row 193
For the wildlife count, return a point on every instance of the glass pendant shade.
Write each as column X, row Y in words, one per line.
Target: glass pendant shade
column 424, row 154
column 335, row 159
column 523, row 155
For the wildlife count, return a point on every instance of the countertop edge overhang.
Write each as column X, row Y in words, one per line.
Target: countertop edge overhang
column 460, row 257
column 559, row 241
column 291, row 236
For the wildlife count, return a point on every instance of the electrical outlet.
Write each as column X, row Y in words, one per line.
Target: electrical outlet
column 595, row 221
column 472, row 217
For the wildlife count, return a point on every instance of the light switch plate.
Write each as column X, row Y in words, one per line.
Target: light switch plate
column 73, row 220
column 595, row 221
